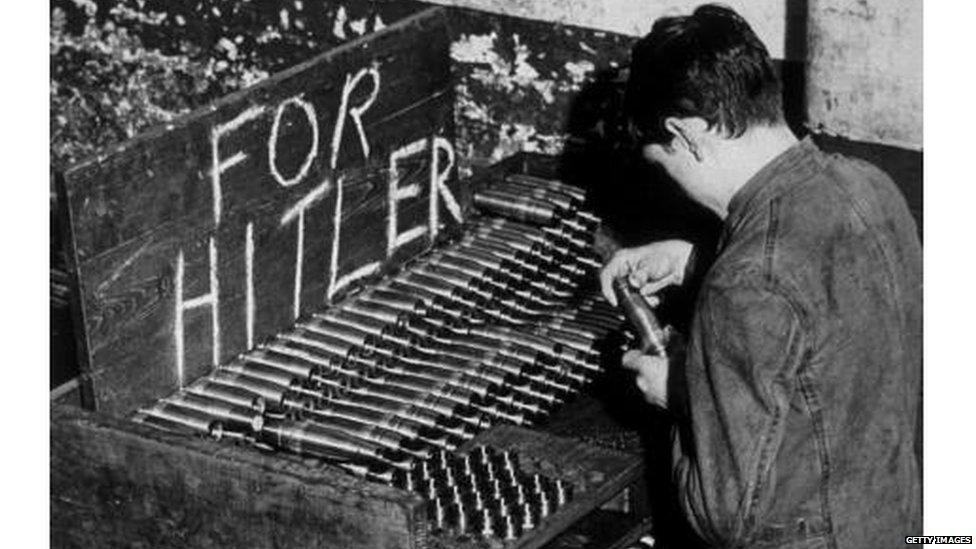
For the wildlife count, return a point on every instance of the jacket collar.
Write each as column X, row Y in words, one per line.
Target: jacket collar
column 792, row 164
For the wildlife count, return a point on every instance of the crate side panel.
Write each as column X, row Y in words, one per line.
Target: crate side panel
column 118, row 484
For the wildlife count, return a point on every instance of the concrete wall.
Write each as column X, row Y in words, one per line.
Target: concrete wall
column 851, row 72
column 864, row 79
column 521, row 83
column 634, row 17
column 864, row 57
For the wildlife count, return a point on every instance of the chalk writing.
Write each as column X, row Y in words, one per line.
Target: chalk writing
column 298, row 211
column 397, row 193
column 220, row 166
column 438, row 185
column 441, row 162
column 337, row 283
column 313, row 150
column 356, row 113
column 208, row 299
column 249, row 282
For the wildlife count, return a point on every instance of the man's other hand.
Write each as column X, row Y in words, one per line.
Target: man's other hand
column 648, row 268
column 651, row 376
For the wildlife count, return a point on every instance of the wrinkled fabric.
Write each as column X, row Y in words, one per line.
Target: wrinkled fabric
column 802, row 383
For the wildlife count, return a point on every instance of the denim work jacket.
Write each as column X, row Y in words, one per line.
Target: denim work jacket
column 799, row 404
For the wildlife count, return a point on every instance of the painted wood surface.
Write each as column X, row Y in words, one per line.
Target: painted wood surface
column 115, row 483
column 198, row 239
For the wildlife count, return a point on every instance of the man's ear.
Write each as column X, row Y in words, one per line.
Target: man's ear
column 687, row 132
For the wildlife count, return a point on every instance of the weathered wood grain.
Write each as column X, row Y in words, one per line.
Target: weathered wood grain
column 135, row 211
column 115, row 483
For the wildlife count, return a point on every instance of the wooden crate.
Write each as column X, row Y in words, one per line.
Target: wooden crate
column 116, row 483
column 192, row 242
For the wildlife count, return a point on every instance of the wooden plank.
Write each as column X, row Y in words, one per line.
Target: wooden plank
column 86, row 393
column 119, row 484
column 195, row 241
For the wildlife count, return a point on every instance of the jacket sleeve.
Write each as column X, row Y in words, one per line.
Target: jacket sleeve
column 744, row 348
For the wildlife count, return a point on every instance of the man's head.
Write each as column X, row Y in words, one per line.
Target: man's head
column 698, row 84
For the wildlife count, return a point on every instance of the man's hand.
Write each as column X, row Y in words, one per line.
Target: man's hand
column 648, row 268
column 651, row 376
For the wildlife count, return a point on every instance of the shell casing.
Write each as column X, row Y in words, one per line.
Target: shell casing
column 375, row 434
column 641, row 317
column 516, row 233
column 499, row 281
column 386, row 403
column 519, row 259
column 592, row 328
column 190, row 418
column 578, row 226
column 377, row 336
column 272, row 393
column 297, row 348
column 377, row 311
column 470, row 249
column 392, row 299
column 299, row 370
column 520, row 208
column 230, row 414
column 308, row 437
column 529, row 249
column 441, row 287
column 227, row 393
column 570, row 234
column 165, row 422
column 435, row 308
column 337, row 350
column 251, row 367
column 548, row 183
column 426, row 296
column 582, row 345
column 563, row 201
column 365, row 323
column 339, row 332
column 456, row 279
column 348, row 410
column 583, row 331
column 520, row 205
column 541, row 344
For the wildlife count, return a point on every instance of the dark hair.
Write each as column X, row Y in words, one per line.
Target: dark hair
column 709, row 64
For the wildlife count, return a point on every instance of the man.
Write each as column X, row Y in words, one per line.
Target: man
column 797, row 399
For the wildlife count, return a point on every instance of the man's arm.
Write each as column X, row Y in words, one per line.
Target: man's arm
column 745, row 347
